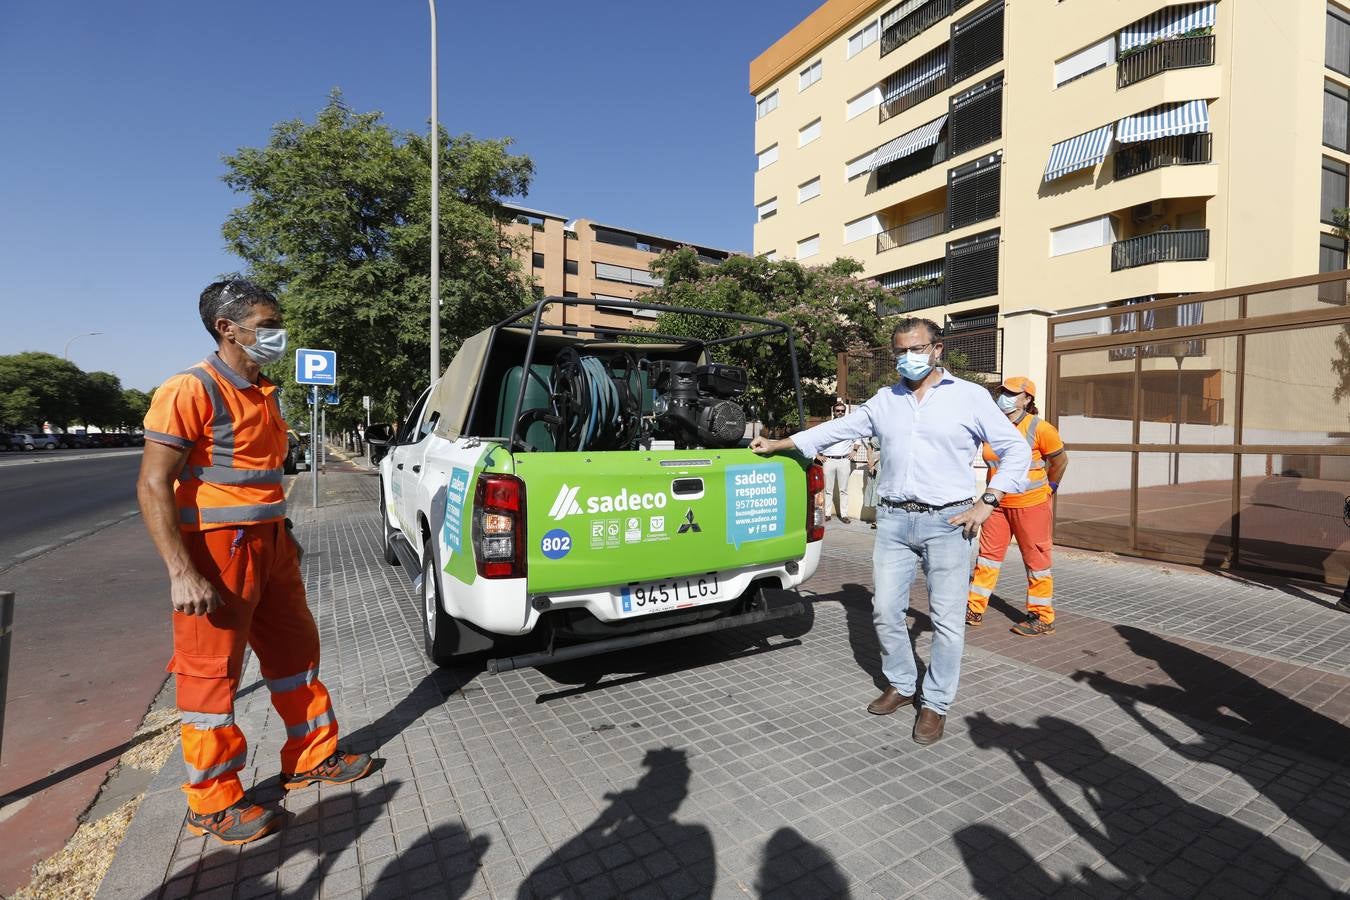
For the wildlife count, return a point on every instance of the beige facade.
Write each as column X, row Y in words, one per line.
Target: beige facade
column 966, row 221
column 582, row 258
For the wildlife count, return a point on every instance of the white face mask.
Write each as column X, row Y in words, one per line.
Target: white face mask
column 1007, row 402
column 269, row 345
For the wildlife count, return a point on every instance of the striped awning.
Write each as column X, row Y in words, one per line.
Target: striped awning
column 1191, row 117
column 905, row 144
column 1168, row 22
column 920, row 72
column 1079, row 152
column 899, row 12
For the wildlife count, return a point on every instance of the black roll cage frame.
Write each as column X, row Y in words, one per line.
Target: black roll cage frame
column 535, row 313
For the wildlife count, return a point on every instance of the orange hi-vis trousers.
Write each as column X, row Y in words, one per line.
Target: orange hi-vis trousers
column 1032, row 526
column 257, row 574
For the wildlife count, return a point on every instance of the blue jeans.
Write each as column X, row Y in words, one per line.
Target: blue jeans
column 904, row 540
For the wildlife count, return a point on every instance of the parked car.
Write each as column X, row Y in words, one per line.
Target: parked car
column 71, row 440
column 648, row 518
column 43, row 441
column 11, row 441
column 295, row 453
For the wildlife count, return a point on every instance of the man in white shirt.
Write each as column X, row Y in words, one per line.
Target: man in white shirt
column 931, row 425
column 838, row 461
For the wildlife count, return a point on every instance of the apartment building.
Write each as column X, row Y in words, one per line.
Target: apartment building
column 1006, row 160
column 582, row 258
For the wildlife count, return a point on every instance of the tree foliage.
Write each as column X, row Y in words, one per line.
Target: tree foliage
column 830, row 311
column 337, row 223
column 40, row 387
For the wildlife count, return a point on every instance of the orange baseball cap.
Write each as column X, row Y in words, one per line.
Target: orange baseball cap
column 1017, row 384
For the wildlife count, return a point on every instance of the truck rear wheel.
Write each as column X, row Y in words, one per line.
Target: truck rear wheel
column 438, row 629
column 390, row 556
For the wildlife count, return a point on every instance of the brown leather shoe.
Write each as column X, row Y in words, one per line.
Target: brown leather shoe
column 928, row 727
column 889, row 701
column 974, row 619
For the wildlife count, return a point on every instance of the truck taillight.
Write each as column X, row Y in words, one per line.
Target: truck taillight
column 499, row 526
column 815, row 502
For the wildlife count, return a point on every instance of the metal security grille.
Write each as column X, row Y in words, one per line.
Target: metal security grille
column 977, row 41
column 972, row 267
column 979, row 341
column 975, row 116
column 916, row 287
column 973, row 191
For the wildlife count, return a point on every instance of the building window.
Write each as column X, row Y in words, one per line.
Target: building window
column 766, row 209
column 570, row 266
column 808, row 133
column 1098, row 56
column 861, row 228
column 808, row 247
column 1097, row 232
column 766, row 104
column 1332, row 257
column 916, row 82
column 771, row 255
column 1334, row 189
column 977, row 41
column 865, row 38
column 973, row 192
column 537, row 260
column 860, row 166
column 617, row 238
column 1338, row 40
column 868, row 99
column 808, row 76
column 626, row 275
column 766, row 157
column 808, row 191
column 975, row 117
column 569, row 293
column 1335, row 105
column 972, row 267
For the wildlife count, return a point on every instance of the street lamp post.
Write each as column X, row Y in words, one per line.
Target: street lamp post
column 435, row 212
column 66, row 352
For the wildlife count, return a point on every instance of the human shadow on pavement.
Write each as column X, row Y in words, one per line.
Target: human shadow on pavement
column 441, row 863
column 634, row 842
column 432, row 691
column 1213, row 692
column 856, row 601
column 1154, row 837
column 794, row 867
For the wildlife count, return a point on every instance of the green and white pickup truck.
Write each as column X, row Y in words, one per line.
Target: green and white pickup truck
column 592, row 488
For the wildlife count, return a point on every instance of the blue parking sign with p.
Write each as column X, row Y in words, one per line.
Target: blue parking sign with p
column 316, row 367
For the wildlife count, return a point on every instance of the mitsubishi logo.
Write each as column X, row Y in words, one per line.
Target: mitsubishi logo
column 689, row 524
column 566, row 504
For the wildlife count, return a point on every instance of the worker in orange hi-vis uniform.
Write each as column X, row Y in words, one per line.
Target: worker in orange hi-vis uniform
column 211, row 494
column 1028, row 516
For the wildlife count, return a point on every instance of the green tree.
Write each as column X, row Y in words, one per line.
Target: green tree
column 53, row 384
column 829, row 309
column 101, row 400
column 135, row 404
column 337, row 223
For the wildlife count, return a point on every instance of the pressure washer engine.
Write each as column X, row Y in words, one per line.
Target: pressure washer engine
column 694, row 405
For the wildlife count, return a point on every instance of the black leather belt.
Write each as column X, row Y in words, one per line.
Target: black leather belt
column 828, row 456
column 916, row 506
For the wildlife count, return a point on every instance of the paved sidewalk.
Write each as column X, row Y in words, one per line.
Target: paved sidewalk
column 1183, row 734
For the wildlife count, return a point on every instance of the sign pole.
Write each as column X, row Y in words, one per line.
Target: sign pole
column 314, row 442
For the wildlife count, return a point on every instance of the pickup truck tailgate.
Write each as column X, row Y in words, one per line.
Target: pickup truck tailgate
column 610, row 518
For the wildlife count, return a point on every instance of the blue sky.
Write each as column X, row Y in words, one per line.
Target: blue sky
column 116, row 116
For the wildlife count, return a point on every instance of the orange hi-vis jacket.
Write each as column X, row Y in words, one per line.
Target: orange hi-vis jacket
column 1044, row 441
column 236, row 441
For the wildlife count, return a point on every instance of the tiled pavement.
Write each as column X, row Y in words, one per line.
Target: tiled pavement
column 1150, row 748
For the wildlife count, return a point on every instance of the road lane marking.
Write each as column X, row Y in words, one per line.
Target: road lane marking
column 64, row 540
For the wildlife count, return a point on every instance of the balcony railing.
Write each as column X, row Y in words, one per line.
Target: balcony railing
column 909, row 232
column 914, row 24
column 1179, row 53
column 1180, row 150
column 1160, row 247
column 914, row 96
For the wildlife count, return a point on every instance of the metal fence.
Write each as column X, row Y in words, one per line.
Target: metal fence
column 1179, row 53
column 1161, row 246
column 1212, row 429
column 861, row 373
column 1179, row 150
column 911, row 231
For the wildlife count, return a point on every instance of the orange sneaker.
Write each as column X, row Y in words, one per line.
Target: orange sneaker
column 239, row 824
column 340, row 768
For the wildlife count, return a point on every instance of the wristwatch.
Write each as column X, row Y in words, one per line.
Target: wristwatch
column 990, row 499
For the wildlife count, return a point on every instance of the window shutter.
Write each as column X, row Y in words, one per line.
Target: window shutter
column 1335, row 106
column 973, row 191
column 1333, row 189
column 972, row 267
column 1098, row 56
column 976, row 116
column 977, row 41
column 808, row 247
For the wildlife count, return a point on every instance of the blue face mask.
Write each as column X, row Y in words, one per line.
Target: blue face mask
column 269, row 345
column 914, row 366
column 1007, row 402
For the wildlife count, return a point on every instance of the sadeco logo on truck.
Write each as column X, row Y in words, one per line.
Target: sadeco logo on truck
column 568, row 505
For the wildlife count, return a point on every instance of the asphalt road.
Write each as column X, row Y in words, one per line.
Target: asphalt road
column 48, row 498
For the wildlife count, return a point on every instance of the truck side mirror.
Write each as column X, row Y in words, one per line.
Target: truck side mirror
column 380, row 435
